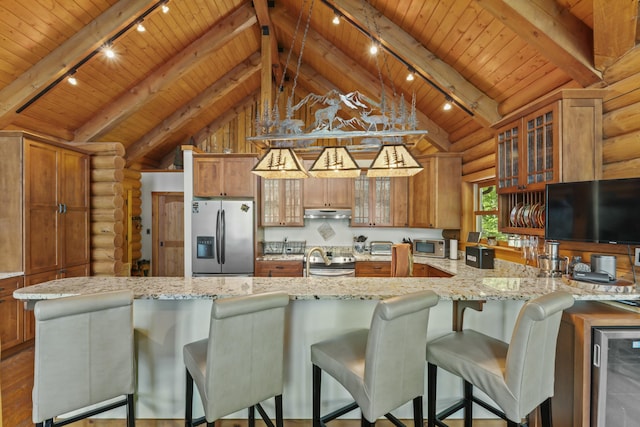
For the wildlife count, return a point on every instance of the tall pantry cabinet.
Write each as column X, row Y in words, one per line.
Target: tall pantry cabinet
column 45, row 216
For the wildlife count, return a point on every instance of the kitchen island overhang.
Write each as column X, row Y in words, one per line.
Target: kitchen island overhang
column 172, row 311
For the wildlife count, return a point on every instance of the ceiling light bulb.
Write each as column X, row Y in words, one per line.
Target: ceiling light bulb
column 108, row 51
column 410, row 77
column 72, row 80
column 447, row 106
column 141, row 28
column 336, row 20
column 373, row 49
column 165, row 8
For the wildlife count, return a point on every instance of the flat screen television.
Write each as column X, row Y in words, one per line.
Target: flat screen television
column 605, row 211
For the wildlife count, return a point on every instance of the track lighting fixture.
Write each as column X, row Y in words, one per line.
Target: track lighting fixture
column 448, row 105
column 336, row 19
column 140, row 27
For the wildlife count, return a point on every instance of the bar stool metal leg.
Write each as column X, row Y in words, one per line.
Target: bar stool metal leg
column 468, row 404
column 317, row 378
column 188, row 407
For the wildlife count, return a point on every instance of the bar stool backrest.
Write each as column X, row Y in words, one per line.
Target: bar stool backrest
column 245, row 352
column 530, row 363
column 84, row 352
column 396, row 351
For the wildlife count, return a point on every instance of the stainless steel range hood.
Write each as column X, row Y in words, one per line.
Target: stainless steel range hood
column 327, row 213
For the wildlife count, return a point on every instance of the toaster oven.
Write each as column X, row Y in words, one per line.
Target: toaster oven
column 380, row 248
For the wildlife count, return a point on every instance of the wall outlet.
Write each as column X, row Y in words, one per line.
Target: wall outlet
column 636, row 258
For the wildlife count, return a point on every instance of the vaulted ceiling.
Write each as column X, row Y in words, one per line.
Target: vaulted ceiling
column 205, row 60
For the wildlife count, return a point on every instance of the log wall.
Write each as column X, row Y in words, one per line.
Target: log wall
column 115, row 203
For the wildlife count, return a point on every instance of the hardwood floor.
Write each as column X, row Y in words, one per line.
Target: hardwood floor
column 16, row 374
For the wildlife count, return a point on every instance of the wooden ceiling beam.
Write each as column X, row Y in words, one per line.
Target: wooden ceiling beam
column 54, row 65
column 213, row 94
column 421, row 59
column 554, row 32
column 264, row 19
column 348, row 68
column 166, row 75
column 614, row 30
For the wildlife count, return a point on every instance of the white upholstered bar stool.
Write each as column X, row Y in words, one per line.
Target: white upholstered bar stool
column 518, row 376
column 84, row 355
column 381, row 367
column 242, row 362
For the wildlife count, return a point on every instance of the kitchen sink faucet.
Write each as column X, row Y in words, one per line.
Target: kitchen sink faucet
column 326, row 259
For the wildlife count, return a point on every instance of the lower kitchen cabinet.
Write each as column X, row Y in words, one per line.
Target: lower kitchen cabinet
column 278, row 269
column 424, row 270
column 571, row 402
column 373, row 269
column 11, row 319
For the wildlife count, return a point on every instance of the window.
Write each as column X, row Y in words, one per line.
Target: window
column 486, row 209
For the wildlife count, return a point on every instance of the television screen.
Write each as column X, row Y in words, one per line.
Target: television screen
column 604, row 211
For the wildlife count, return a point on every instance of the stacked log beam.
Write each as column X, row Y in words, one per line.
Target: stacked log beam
column 107, row 213
column 132, row 185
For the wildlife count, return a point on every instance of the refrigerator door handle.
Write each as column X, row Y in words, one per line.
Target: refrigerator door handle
column 218, row 237
column 224, row 232
column 596, row 355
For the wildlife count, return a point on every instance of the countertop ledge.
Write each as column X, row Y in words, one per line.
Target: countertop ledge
column 508, row 281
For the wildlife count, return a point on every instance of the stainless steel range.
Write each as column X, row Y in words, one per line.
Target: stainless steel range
column 318, row 263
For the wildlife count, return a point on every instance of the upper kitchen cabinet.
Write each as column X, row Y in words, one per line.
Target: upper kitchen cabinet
column 556, row 139
column 281, row 203
column 226, row 175
column 435, row 193
column 379, row 202
column 326, row 192
column 46, row 188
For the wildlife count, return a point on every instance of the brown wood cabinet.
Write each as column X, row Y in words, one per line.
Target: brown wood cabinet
column 47, row 212
column 326, row 192
column 281, row 203
column 424, row 270
column 224, row 175
column 373, row 268
column 572, row 399
column 11, row 317
column 50, row 196
column 278, row 268
column 435, row 193
column 556, row 139
column 380, row 202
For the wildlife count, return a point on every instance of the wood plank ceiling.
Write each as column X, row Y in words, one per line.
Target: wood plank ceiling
column 202, row 60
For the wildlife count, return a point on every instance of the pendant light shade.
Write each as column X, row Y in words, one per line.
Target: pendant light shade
column 394, row 160
column 334, row 162
column 280, row 163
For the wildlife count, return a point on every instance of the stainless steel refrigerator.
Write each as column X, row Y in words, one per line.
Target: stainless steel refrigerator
column 222, row 236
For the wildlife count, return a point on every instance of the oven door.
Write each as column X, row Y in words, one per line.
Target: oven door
column 332, row 272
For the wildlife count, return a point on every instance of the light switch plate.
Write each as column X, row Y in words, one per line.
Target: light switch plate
column 636, row 258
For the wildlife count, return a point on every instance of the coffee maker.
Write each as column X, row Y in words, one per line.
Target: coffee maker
column 551, row 264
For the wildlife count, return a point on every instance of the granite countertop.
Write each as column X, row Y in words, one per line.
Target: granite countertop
column 508, row 281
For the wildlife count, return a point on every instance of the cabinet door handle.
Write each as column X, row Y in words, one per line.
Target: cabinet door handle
column 279, row 267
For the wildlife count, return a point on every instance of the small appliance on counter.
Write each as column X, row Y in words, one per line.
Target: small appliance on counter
column 479, row 257
column 436, row 248
column 380, row 247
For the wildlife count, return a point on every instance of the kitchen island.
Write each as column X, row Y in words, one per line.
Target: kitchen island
column 170, row 312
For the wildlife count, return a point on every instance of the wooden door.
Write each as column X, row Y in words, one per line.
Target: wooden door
column 41, row 208
column 10, row 313
column 238, row 179
column 339, row 192
column 167, row 257
column 74, row 196
column 208, row 177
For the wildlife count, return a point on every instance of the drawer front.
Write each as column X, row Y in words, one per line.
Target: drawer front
column 373, row 269
column 7, row 286
column 278, row 269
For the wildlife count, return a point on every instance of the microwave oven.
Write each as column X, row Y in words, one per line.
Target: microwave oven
column 437, row 248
